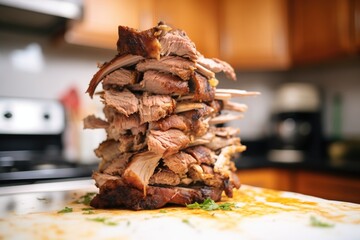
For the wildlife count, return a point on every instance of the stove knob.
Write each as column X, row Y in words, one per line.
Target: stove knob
column 8, row 115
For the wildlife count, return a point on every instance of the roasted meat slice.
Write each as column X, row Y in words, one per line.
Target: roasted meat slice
column 201, row 154
column 124, row 102
column 217, row 65
column 222, row 164
column 107, row 151
column 178, row 66
column 114, row 194
column 119, row 78
column 144, row 43
column 225, row 131
column 131, row 143
column 163, row 83
column 166, row 143
column 176, row 42
column 155, row 107
column 179, row 162
column 92, row 122
column 116, row 63
column 120, row 124
column 165, row 177
column 173, row 121
column 221, row 142
column 201, row 88
column 117, row 165
column 140, row 169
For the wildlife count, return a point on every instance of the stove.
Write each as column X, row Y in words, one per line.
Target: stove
column 31, row 142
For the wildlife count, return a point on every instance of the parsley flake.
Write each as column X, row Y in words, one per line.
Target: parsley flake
column 103, row 220
column 86, row 199
column 211, row 205
column 66, row 210
column 318, row 223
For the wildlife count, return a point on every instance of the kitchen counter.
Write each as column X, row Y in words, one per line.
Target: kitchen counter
column 32, row 212
column 324, row 166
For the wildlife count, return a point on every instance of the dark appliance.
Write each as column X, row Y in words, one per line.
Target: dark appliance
column 296, row 131
column 31, row 141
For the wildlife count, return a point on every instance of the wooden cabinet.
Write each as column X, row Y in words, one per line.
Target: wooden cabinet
column 355, row 8
column 318, row 184
column 98, row 27
column 328, row 186
column 272, row 178
column 254, row 34
column 250, row 35
column 320, row 30
column 199, row 19
column 101, row 18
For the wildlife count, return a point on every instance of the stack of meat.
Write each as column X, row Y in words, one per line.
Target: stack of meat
column 162, row 116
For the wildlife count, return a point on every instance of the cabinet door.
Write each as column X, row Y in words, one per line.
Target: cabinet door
column 328, row 186
column 198, row 18
column 320, row 29
column 356, row 21
column 267, row 178
column 254, row 33
column 99, row 25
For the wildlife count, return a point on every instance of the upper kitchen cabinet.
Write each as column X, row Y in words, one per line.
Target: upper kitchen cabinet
column 356, row 23
column 199, row 19
column 98, row 27
column 101, row 18
column 254, row 34
column 323, row 29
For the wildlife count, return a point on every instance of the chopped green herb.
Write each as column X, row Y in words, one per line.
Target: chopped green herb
column 66, row 210
column 210, row 205
column 86, row 199
column 128, row 223
column 103, row 220
column 88, row 212
column 317, row 223
column 186, row 221
column 162, row 211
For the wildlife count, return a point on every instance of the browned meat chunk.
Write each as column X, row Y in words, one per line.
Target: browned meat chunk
column 92, row 122
column 217, row 65
column 124, row 102
column 155, row 107
column 172, row 121
column 176, row 42
column 221, row 142
column 179, row 162
column 226, row 131
column 108, row 150
column 131, row 143
column 165, row 177
column 102, row 178
column 117, row 165
column 116, row 63
column 140, row 169
column 144, row 43
column 119, row 78
column 114, row 194
column 162, row 83
column 201, row 88
column 120, row 124
column 178, row 66
column 168, row 142
column 201, row 154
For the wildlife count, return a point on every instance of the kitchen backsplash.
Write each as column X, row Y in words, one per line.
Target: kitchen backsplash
column 31, row 66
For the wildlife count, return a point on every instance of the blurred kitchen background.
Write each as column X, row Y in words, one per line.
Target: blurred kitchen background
column 302, row 132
